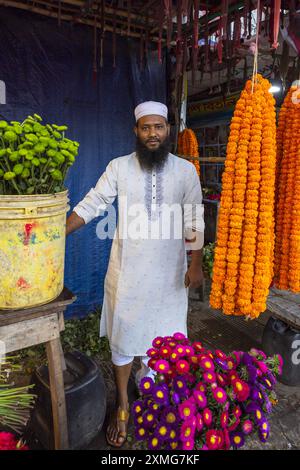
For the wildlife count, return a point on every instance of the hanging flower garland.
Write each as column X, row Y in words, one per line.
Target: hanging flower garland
column 243, row 261
column 187, row 146
column 287, row 246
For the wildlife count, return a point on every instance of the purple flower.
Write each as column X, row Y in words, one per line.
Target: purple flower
column 237, row 439
column 154, row 443
column 160, row 395
column 149, row 419
column 264, row 426
column 170, row 415
column 138, row 407
column 146, row 385
column 180, row 385
column 247, row 359
column 154, row 407
column 173, row 445
column 256, row 395
column 252, row 373
column 162, row 431
column 175, row 398
column 141, row 433
column 267, row 382
column 263, row 436
column 223, row 364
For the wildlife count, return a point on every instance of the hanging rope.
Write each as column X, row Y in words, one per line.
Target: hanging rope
column 254, row 75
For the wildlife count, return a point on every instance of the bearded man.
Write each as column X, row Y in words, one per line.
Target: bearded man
column 146, row 286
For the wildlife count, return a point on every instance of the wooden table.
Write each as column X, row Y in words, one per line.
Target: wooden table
column 285, row 306
column 23, row 328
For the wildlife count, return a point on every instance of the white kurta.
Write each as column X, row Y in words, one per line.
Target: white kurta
column 144, row 292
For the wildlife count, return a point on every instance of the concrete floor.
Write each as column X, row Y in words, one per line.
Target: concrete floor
column 216, row 330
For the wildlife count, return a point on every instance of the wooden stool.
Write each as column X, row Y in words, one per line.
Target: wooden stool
column 23, row 328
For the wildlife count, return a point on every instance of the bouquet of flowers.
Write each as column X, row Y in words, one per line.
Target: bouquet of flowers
column 203, row 399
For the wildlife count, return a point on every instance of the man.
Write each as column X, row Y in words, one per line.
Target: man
column 145, row 290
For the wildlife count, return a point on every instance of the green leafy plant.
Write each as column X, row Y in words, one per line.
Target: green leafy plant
column 34, row 158
column 208, row 258
column 15, row 402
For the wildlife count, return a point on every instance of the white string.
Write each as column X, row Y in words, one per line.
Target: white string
column 255, row 62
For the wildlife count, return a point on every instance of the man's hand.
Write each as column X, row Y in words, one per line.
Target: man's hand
column 73, row 223
column 194, row 276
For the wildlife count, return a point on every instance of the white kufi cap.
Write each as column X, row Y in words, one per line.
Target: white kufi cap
column 150, row 107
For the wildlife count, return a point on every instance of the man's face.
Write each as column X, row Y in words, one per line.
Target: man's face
column 152, row 131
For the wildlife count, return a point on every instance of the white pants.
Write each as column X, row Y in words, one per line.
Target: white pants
column 144, row 371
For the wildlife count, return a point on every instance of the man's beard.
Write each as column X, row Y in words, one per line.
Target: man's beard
column 150, row 159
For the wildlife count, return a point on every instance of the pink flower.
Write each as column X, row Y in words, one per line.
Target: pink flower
column 247, row 426
column 207, row 416
column 262, row 366
column 198, row 346
column 180, row 350
column 152, row 353
column 182, row 366
column 179, row 336
column 224, row 419
column 174, row 356
column 7, row 441
column 200, row 398
column 221, row 380
column 220, row 354
column 201, row 387
column 188, row 445
column 162, row 366
column 207, row 364
column 219, row 395
column 187, row 430
column 187, row 409
column 209, row 377
column 237, row 411
column 199, row 422
column 189, row 351
column 234, row 424
column 157, row 342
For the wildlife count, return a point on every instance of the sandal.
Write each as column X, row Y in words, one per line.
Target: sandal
column 122, row 417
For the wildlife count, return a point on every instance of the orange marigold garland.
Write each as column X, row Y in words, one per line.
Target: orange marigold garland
column 187, row 146
column 287, row 227
column 243, row 259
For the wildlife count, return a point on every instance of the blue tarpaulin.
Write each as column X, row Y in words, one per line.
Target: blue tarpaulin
column 48, row 70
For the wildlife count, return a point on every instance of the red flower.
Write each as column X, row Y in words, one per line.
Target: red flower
column 241, row 389
column 182, row 366
column 165, row 352
column 214, row 439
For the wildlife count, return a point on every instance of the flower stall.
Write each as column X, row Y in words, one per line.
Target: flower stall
column 202, row 399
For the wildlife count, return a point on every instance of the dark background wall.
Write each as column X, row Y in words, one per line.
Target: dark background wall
column 48, row 70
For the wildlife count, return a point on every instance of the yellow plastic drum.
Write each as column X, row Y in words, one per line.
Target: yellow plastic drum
column 32, row 249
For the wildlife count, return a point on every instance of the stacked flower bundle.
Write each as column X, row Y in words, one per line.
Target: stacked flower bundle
column 187, row 146
column 243, row 265
column 203, row 399
column 287, row 245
